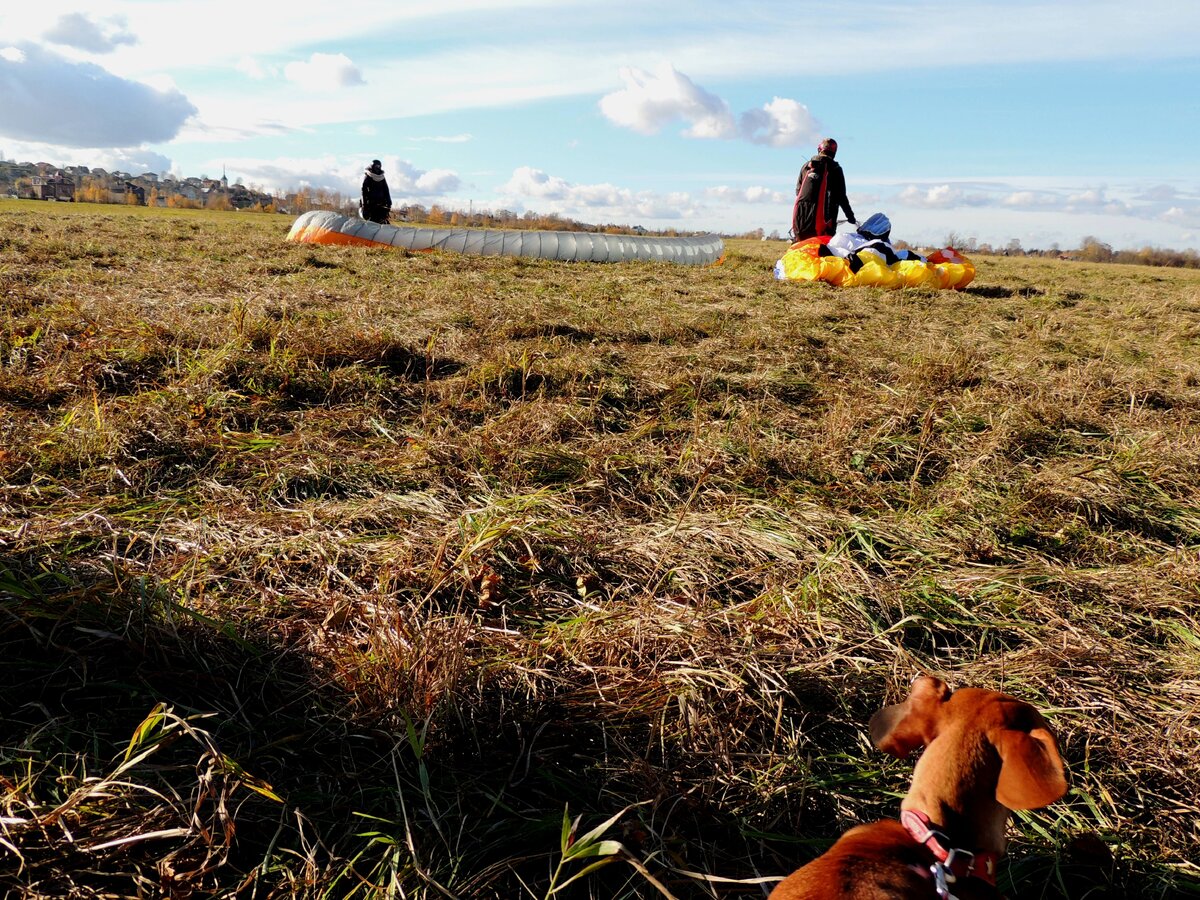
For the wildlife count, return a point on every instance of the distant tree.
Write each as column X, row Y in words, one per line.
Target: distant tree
column 1013, row 247
column 959, row 242
column 1092, row 249
column 92, row 191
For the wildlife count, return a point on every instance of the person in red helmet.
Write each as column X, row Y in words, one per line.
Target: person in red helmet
column 820, row 191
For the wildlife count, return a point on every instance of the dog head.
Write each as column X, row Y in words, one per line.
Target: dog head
column 976, row 741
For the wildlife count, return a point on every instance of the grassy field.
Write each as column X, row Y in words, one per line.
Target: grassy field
column 326, row 571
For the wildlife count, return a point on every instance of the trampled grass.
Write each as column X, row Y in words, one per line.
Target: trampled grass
column 327, row 571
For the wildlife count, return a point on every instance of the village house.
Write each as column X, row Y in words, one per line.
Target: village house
column 123, row 190
column 53, row 187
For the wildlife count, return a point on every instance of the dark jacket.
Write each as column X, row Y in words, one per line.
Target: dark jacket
column 375, row 193
column 820, row 191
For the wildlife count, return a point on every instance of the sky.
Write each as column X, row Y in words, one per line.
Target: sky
column 1040, row 121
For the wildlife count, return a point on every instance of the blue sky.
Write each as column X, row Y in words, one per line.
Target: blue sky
column 1039, row 120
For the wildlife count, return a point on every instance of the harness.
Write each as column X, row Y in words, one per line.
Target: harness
column 952, row 863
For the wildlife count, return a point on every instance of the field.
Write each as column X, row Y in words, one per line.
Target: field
column 327, row 571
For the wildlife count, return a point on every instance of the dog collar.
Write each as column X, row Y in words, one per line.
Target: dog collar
column 952, row 862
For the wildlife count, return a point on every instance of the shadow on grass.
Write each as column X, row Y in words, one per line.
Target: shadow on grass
column 267, row 782
column 257, row 777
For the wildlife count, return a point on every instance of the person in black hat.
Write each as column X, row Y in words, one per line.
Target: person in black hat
column 820, row 190
column 376, row 198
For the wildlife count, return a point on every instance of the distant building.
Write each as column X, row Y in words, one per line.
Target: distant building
column 122, row 192
column 53, row 187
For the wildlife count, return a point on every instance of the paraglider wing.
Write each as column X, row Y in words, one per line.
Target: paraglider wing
column 327, row 227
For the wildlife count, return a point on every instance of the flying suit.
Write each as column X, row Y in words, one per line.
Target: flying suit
column 820, row 190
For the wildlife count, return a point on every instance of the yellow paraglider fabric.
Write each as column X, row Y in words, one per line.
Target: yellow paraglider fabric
column 945, row 269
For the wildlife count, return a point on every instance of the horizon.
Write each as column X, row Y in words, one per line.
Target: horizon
column 1045, row 125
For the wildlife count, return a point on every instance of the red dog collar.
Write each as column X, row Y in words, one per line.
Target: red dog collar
column 958, row 863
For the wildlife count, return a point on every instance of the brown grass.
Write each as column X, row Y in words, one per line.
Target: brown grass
column 406, row 555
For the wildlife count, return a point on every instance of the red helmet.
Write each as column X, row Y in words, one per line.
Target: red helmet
column 828, row 146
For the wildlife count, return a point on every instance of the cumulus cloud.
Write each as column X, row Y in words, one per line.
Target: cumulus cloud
column 324, row 72
column 780, row 123
column 755, row 194
column 1096, row 199
column 533, row 188
column 940, row 196
column 1028, row 199
column 413, row 181
column 252, row 68
column 46, row 97
column 651, row 100
column 1093, row 197
column 91, row 35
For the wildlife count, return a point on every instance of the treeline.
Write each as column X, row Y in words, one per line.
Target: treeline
column 1093, row 250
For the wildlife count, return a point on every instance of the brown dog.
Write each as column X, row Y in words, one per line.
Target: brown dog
column 986, row 753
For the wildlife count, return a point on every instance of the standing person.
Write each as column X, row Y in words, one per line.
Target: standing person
column 376, row 198
column 820, row 190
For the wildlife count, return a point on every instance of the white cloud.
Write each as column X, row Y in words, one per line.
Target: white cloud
column 780, row 123
column 46, row 97
column 1174, row 214
column 940, row 196
column 324, row 72
column 1029, row 199
column 91, row 35
column 651, row 100
column 447, row 138
column 252, row 68
column 534, row 189
column 1092, row 197
column 1161, row 192
column 755, row 194
column 433, row 183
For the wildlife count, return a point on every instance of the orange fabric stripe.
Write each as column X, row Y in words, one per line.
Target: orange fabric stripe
column 325, row 236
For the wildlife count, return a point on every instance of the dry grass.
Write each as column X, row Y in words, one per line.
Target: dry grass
column 386, row 561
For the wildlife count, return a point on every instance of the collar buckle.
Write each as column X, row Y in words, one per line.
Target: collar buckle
column 959, row 863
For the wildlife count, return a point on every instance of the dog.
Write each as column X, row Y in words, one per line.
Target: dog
column 986, row 754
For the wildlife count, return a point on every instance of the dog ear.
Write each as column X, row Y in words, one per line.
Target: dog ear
column 902, row 728
column 1031, row 771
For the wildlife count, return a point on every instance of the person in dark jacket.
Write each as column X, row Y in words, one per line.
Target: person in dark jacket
column 376, row 198
column 820, row 190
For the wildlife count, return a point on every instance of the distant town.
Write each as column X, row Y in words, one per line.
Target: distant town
column 46, row 181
